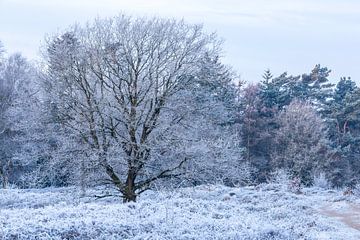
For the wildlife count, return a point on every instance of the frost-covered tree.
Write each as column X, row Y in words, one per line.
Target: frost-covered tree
column 260, row 103
column 213, row 103
column 277, row 92
column 300, row 141
column 256, row 131
column 343, row 118
column 117, row 83
column 250, row 116
column 6, row 97
column 273, row 95
column 2, row 51
column 274, row 91
column 215, row 91
column 53, row 156
column 314, row 87
column 17, row 95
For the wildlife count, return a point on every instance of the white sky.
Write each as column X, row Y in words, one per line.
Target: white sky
column 282, row 35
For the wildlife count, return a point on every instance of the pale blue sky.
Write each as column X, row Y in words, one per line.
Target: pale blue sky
column 282, row 35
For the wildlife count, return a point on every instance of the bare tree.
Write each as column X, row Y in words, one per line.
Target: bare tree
column 116, row 82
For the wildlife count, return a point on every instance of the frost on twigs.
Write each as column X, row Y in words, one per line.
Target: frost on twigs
column 145, row 96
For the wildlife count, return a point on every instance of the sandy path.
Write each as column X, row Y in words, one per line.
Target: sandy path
column 348, row 213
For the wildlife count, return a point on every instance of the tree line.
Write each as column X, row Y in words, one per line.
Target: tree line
column 134, row 102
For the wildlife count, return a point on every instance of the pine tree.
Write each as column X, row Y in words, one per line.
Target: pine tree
column 314, row 87
column 343, row 118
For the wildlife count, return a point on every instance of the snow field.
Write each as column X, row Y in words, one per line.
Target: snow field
column 203, row 212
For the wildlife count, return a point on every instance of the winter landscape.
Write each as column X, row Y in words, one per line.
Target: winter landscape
column 203, row 212
column 137, row 125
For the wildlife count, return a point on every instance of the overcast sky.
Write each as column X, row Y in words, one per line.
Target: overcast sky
column 282, row 35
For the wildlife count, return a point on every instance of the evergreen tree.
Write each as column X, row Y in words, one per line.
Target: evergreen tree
column 214, row 84
column 314, row 87
column 343, row 118
column 274, row 94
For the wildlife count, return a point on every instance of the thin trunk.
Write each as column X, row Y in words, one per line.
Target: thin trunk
column 3, row 178
column 4, row 181
column 82, row 178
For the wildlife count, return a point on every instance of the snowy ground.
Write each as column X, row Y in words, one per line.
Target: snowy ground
column 204, row 212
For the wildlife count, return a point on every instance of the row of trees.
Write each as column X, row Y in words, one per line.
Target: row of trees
column 130, row 102
column 303, row 124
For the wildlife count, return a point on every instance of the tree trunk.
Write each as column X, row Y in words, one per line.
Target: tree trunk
column 5, row 182
column 3, row 178
column 129, row 192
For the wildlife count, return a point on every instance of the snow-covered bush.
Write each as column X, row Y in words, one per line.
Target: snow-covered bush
column 295, row 185
column 284, row 181
column 280, row 176
column 321, row 181
column 357, row 190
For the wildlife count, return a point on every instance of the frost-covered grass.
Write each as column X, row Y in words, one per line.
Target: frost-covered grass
column 204, row 212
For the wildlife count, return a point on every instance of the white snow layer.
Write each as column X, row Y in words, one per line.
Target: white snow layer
column 203, row 212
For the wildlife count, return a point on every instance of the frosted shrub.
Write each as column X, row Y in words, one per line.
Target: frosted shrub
column 321, row 181
column 280, row 176
column 357, row 190
column 279, row 179
column 286, row 181
column 295, row 185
